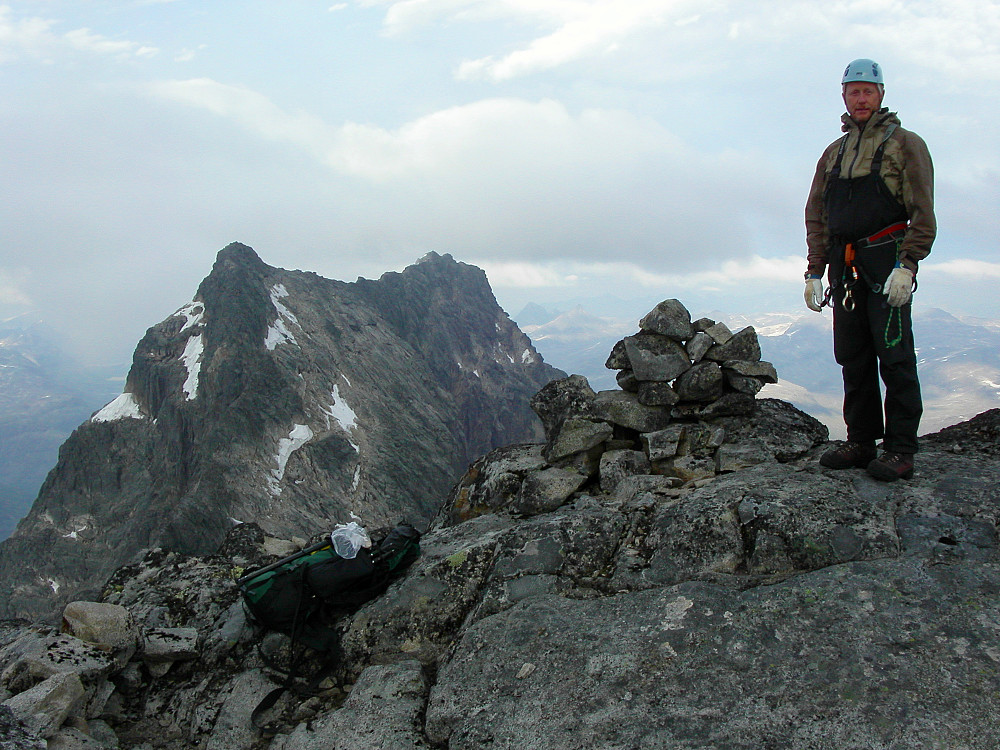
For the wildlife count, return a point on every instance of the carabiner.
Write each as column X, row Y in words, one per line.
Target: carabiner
column 826, row 297
column 848, row 302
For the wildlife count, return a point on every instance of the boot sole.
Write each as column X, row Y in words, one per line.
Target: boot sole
column 889, row 476
column 859, row 464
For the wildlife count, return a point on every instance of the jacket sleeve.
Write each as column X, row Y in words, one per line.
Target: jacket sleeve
column 918, row 197
column 817, row 242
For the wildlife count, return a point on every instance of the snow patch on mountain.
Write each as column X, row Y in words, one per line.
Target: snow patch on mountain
column 278, row 332
column 123, row 407
column 299, row 436
column 194, row 312
column 341, row 412
column 191, row 358
column 75, row 533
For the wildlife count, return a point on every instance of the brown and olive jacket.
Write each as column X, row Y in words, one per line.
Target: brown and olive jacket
column 906, row 170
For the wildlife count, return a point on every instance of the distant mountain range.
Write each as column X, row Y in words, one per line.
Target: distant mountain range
column 44, row 396
column 959, row 358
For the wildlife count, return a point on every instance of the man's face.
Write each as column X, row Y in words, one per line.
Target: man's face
column 863, row 100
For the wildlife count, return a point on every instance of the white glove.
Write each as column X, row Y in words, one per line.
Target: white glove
column 898, row 287
column 814, row 294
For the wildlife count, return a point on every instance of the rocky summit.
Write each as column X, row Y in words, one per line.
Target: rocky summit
column 286, row 399
column 577, row 593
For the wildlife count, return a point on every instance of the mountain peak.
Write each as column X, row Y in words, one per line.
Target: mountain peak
column 237, row 253
column 434, row 257
column 283, row 398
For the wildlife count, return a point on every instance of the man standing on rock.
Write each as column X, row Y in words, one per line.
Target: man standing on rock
column 870, row 218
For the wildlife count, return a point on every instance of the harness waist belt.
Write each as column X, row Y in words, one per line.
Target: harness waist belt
column 882, row 234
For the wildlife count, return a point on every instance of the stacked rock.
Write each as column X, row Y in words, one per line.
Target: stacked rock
column 699, row 369
column 684, row 385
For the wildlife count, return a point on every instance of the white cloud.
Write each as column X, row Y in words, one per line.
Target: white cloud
column 11, row 289
column 187, row 54
column 515, row 175
column 626, row 275
column 249, row 109
column 27, row 35
column 526, row 275
column 490, row 130
column 964, row 268
column 36, row 37
column 84, row 40
column 585, row 29
column 955, row 39
column 576, row 28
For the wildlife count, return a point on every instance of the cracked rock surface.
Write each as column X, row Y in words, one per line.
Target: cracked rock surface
column 777, row 605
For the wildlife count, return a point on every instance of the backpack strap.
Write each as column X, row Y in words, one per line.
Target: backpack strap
column 835, row 172
column 268, row 701
column 876, row 166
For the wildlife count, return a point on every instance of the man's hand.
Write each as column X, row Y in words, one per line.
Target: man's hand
column 899, row 286
column 814, row 295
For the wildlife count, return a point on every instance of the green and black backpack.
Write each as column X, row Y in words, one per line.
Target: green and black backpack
column 300, row 594
column 290, row 595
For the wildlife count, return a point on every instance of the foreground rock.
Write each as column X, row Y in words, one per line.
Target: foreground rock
column 778, row 605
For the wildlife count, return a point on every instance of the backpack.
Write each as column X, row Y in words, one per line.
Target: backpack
column 291, row 595
column 295, row 595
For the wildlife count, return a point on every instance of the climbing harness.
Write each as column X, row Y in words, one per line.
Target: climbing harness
column 853, row 205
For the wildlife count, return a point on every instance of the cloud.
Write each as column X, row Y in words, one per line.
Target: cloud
column 514, row 175
column 187, row 54
column 954, row 39
column 964, row 268
column 578, row 28
column 525, row 275
column 489, row 132
column 629, row 275
column 585, row 29
column 12, row 293
column 35, row 37
column 23, row 36
column 85, row 41
column 249, row 109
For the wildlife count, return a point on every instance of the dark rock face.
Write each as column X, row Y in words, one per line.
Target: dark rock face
column 286, row 399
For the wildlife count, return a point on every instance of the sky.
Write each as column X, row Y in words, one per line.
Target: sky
column 609, row 152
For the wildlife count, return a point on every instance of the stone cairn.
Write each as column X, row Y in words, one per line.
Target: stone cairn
column 685, row 386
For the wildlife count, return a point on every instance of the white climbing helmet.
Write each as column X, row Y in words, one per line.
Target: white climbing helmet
column 865, row 70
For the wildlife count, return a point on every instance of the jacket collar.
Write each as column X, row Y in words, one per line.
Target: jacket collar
column 879, row 119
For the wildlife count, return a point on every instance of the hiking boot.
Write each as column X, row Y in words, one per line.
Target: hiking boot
column 850, row 455
column 892, row 466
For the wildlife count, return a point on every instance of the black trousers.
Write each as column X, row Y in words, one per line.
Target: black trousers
column 861, row 339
